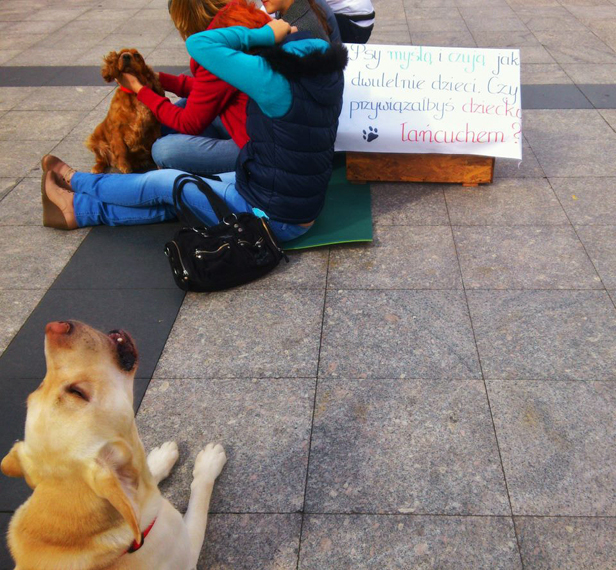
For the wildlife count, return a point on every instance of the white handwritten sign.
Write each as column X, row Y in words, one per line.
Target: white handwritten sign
column 415, row 99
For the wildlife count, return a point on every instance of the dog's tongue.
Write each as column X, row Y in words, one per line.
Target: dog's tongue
column 127, row 353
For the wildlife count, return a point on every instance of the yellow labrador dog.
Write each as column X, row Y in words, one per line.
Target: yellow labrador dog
column 96, row 504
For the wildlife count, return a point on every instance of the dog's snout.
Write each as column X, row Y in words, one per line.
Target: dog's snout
column 126, row 57
column 58, row 327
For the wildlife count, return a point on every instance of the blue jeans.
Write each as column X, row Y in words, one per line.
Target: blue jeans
column 210, row 152
column 131, row 199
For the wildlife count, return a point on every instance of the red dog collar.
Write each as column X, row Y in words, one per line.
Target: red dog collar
column 134, row 546
column 126, row 90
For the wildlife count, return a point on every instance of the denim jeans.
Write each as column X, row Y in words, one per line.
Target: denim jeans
column 210, row 152
column 131, row 199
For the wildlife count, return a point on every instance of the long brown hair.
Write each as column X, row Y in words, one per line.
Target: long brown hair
column 320, row 16
column 193, row 16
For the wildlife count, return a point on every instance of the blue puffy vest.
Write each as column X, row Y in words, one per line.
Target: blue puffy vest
column 285, row 168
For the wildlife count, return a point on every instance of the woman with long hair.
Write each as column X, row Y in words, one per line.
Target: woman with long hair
column 295, row 90
column 205, row 130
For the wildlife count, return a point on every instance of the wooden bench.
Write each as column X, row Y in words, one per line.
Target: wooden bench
column 465, row 169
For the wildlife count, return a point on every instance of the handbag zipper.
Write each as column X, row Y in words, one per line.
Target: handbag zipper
column 272, row 240
column 184, row 271
column 200, row 252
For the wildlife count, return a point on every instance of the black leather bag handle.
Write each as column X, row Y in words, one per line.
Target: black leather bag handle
column 219, row 206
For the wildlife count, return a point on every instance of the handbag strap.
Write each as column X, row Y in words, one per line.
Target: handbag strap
column 221, row 210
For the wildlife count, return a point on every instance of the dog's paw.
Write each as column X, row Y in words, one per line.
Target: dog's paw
column 162, row 459
column 209, row 462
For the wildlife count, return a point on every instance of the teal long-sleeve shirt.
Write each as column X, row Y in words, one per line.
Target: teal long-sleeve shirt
column 222, row 52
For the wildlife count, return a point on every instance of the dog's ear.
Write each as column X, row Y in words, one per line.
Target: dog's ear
column 11, row 464
column 109, row 69
column 112, row 476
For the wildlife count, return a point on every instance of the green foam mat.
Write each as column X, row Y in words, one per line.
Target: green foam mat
column 346, row 216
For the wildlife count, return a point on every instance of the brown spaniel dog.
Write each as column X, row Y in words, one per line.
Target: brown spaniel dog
column 124, row 139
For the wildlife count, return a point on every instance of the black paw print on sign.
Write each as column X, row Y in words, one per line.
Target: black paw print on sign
column 371, row 134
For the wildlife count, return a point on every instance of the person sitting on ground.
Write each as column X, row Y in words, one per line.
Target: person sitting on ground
column 295, row 87
column 355, row 19
column 305, row 15
column 205, row 130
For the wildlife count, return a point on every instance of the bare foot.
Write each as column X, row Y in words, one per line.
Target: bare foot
column 58, row 211
column 54, row 164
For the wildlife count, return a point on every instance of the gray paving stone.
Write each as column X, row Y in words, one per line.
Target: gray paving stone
column 23, row 158
column 400, row 257
column 557, row 124
column 496, row 24
column 64, row 99
column 264, row 426
column 587, row 201
column 72, row 151
column 53, row 12
column 7, row 55
column 554, row 97
column 437, row 25
column 394, row 31
column 399, row 446
column 251, row 542
column 11, row 96
column 566, row 335
column 397, row 542
column 17, row 40
column 567, row 543
column 94, row 55
column 87, row 125
column 506, row 202
column 591, row 12
column 461, row 38
column 576, row 47
column 32, row 257
column 528, row 167
column 531, row 51
column 129, row 39
column 15, row 306
column 575, row 156
column 544, row 73
column 6, row 185
column 46, row 56
column 307, row 269
column 524, row 258
column 38, row 125
column 397, row 334
column 591, row 73
column 168, row 56
column 408, row 204
column 272, row 333
column 22, row 207
column 600, row 243
column 610, row 117
column 557, row 443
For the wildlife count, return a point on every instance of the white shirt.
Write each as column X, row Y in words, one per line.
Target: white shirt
column 353, row 8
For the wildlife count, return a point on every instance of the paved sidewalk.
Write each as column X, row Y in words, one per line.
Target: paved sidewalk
column 443, row 398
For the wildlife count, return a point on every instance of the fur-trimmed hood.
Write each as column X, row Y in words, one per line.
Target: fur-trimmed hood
column 318, row 71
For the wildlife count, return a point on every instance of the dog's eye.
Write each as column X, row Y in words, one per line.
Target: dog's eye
column 78, row 391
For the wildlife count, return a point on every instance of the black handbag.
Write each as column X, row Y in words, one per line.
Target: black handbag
column 237, row 250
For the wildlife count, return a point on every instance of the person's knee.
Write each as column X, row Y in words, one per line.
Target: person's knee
column 164, row 151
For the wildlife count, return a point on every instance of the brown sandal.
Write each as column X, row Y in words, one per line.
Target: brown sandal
column 53, row 215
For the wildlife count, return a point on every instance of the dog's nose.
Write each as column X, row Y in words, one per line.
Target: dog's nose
column 58, row 327
column 126, row 56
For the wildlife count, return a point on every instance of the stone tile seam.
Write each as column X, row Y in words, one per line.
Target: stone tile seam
column 485, row 385
column 314, row 407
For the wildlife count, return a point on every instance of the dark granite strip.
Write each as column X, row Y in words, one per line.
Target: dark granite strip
column 554, row 97
column 65, row 76
column 6, row 562
column 601, row 96
column 533, row 96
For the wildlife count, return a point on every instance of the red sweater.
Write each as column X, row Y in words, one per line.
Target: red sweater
column 207, row 97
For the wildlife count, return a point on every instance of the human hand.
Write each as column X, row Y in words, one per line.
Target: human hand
column 129, row 81
column 281, row 29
